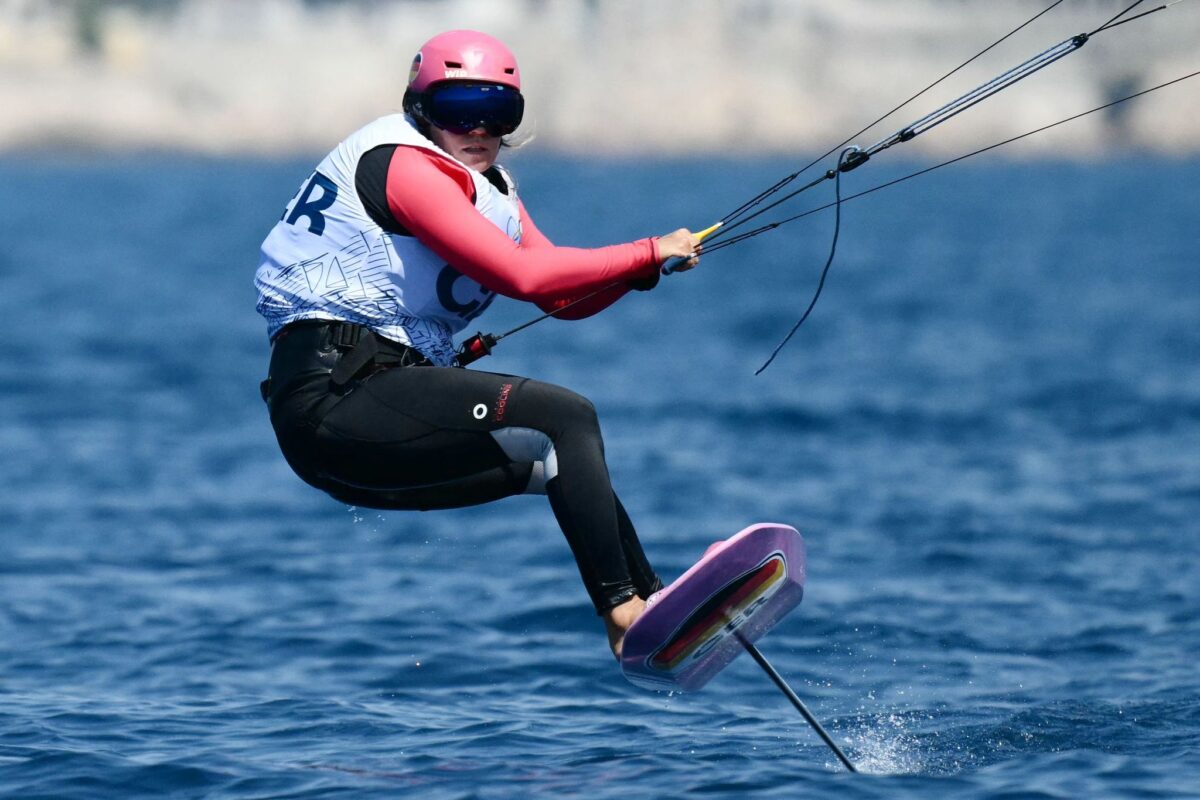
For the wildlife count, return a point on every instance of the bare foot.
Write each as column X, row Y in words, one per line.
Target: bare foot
column 619, row 619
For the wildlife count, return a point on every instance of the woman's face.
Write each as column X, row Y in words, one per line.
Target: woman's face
column 477, row 149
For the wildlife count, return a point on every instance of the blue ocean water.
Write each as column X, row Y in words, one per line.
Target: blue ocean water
column 988, row 432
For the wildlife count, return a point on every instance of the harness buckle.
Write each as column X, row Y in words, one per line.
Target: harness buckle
column 342, row 335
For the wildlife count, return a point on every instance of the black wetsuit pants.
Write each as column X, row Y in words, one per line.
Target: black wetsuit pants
column 402, row 435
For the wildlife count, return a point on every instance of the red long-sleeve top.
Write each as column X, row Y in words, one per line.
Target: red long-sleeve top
column 433, row 198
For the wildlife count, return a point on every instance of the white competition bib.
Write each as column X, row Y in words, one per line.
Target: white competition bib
column 327, row 259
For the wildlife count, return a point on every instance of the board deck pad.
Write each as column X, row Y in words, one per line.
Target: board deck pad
column 742, row 585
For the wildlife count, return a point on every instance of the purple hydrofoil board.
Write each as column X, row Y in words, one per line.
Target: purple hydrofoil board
column 744, row 584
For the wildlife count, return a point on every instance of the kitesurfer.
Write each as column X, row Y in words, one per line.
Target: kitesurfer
column 402, row 235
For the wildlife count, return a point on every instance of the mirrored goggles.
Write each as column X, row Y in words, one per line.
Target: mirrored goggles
column 463, row 107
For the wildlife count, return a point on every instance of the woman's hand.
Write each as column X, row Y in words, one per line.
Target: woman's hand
column 683, row 244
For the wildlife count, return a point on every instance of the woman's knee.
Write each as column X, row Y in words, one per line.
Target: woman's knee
column 566, row 410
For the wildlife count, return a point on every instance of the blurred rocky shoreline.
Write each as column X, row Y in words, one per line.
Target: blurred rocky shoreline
column 233, row 77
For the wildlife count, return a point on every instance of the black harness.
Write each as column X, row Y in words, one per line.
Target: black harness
column 356, row 351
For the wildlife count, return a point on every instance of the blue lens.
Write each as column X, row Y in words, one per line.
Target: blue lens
column 463, row 107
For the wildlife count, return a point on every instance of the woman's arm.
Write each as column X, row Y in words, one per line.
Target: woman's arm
column 533, row 238
column 431, row 197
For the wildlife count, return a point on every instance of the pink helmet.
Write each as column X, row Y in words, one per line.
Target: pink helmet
column 463, row 56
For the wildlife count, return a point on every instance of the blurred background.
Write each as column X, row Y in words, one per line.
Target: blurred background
column 988, row 431
column 670, row 76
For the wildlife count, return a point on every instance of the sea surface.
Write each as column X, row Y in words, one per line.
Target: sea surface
column 988, row 433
